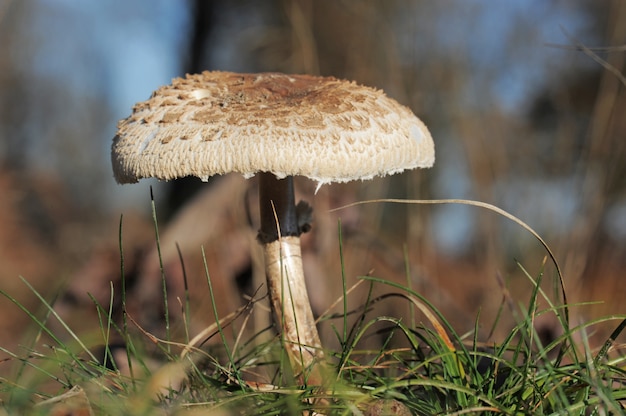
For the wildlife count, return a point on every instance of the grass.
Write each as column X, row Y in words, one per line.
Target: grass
column 424, row 367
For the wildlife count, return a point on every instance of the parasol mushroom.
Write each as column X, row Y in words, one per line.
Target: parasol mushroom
column 276, row 126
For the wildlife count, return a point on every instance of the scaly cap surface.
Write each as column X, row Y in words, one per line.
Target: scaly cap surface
column 215, row 123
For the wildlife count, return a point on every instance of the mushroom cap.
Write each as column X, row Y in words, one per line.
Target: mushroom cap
column 214, row 123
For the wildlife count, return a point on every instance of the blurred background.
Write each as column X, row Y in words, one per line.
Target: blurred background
column 525, row 101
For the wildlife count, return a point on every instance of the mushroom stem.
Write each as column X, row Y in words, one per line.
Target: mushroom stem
column 285, row 277
column 277, row 201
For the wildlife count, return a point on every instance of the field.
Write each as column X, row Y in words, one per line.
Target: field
column 491, row 283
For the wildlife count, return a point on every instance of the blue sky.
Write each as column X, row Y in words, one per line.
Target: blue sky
column 122, row 49
column 130, row 48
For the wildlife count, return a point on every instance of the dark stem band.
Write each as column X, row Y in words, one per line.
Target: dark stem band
column 277, row 196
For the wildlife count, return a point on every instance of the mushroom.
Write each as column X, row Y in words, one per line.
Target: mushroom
column 276, row 126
